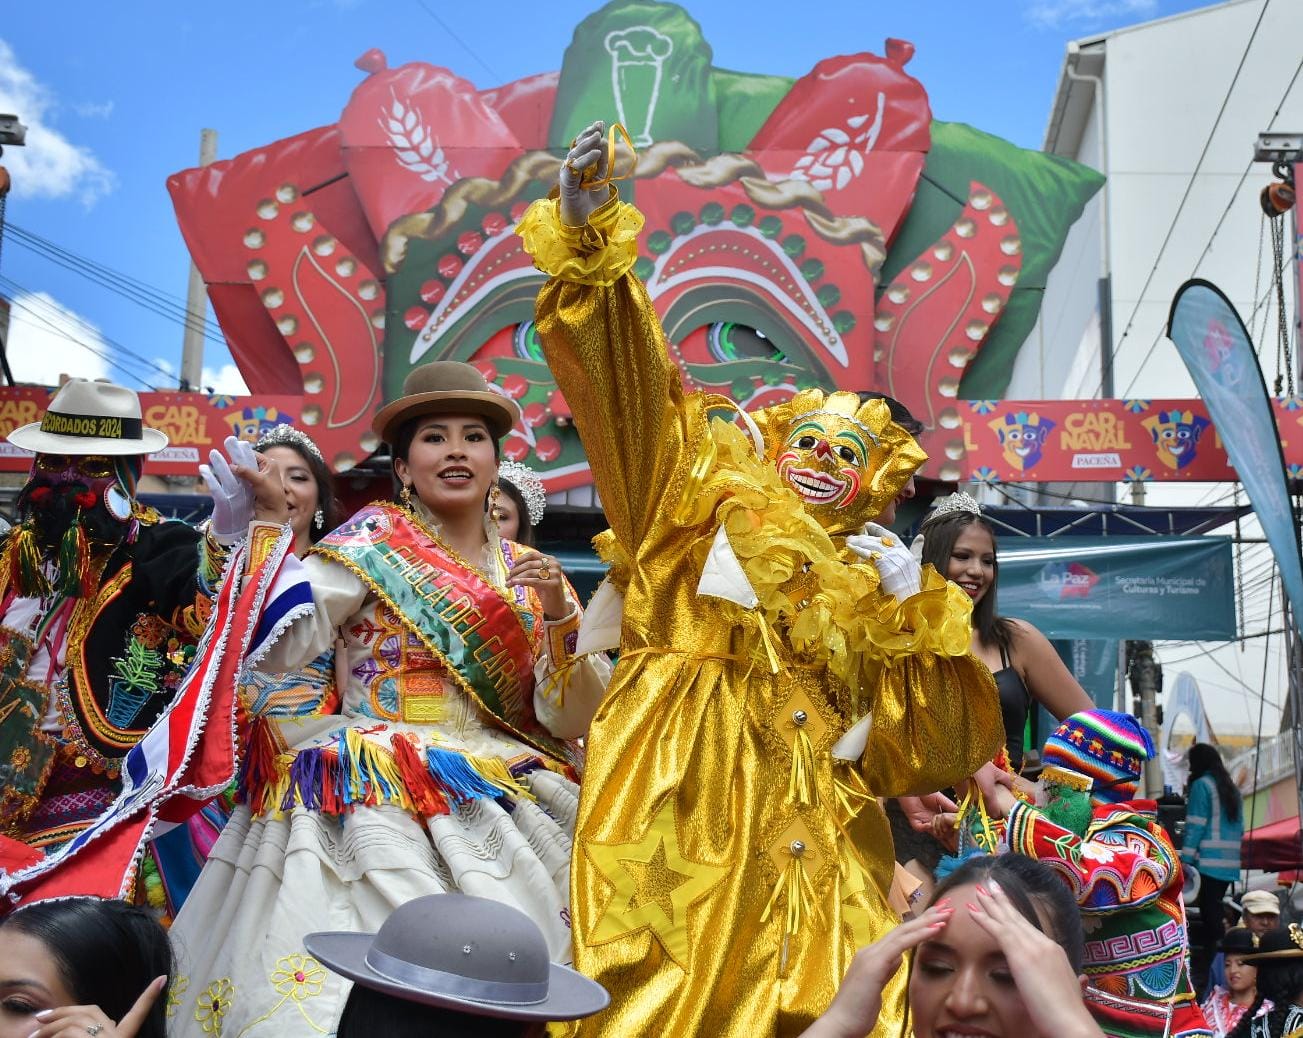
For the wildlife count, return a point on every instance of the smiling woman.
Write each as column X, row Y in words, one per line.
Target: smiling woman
column 454, row 764
column 961, row 544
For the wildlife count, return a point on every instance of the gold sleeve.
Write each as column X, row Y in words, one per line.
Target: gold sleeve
column 606, row 349
column 936, row 720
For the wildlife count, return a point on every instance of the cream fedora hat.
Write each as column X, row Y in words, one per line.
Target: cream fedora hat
column 446, row 387
column 90, row 417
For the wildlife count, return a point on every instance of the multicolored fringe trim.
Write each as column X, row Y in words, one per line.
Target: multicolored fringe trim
column 350, row 770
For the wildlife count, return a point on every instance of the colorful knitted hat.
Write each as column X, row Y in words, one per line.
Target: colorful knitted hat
column 1107, row 747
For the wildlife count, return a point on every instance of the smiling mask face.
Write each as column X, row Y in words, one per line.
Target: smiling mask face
column 846, row 461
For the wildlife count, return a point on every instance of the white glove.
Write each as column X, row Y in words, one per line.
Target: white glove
column 577, row 202
column 899, row 571
column 232, row 497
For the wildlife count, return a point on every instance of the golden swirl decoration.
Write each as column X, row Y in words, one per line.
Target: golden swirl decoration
column 691, row 168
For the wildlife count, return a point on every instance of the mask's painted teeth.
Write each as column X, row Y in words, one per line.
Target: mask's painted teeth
column 814, row 486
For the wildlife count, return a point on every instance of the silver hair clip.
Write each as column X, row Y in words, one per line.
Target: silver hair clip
column 287, row 436
column 530, row 486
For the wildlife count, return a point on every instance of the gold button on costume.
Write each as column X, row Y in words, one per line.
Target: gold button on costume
column 726, row 866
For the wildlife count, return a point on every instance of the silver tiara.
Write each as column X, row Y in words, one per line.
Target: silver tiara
column 956, row 502
column 287, row 436
column 530, row 486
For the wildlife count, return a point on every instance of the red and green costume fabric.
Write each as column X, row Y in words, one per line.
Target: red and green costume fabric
column 1127, row 879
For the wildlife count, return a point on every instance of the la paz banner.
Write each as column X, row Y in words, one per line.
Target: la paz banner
column 1161, row 588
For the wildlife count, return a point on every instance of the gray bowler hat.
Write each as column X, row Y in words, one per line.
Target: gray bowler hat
column 461, row 952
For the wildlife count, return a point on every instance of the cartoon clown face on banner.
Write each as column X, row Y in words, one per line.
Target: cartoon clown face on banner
column 845, row 460
column 1022, row 438
column 1176, row 436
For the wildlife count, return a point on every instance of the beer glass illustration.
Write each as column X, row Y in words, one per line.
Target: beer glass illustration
column 638, row 56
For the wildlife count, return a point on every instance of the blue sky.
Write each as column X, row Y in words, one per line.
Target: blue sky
column 116, row 96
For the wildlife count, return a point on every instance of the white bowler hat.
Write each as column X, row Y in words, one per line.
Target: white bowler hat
column 90, row 417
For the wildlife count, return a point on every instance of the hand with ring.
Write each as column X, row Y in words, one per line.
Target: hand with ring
column 544, row 575
column 75, row 1021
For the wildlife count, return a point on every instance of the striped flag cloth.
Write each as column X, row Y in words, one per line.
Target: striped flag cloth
column 191, row 753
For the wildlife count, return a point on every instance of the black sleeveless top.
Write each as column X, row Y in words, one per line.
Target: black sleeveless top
column 1015, row 702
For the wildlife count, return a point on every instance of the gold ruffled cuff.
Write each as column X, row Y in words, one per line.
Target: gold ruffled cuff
column 599, row 253
column 938, row 619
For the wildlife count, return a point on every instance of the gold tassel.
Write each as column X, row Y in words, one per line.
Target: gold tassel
column 765, row 638
column 557, row 682
column 800, row 783
column 852, row 793
column 797, row 892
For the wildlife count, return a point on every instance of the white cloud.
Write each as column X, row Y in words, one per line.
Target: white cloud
column 225, row 379
column 1054, row 14
column 40, row 345
column 93, row 109
column 50, row 165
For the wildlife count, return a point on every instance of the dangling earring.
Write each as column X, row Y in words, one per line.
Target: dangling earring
column 405, row 495
column 494, row 493
column 318, row 519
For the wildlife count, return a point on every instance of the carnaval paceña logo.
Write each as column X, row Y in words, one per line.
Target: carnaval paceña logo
column 1176, row 436
column 1022, row 437
column 1060, row 581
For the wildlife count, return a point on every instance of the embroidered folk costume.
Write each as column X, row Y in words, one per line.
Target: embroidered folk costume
column 727, row 866
column 452, row 768
column 1122, row 869
column 101, row 604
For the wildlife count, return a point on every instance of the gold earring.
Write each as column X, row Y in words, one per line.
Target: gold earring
column 494, row 493
column 405, row 495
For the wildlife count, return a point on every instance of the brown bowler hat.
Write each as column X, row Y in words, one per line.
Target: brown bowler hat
column 446, row 387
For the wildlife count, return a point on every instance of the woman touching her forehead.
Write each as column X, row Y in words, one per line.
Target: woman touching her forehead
column 997, row 954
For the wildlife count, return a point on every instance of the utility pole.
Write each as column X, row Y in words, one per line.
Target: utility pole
column 196, row 304
column 1146, row 677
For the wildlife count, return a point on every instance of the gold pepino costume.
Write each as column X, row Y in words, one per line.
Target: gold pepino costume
column 726, row 867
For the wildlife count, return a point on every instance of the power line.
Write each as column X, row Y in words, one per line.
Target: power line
column 131, row 289
column 107, row 358
column 15, row 287
column 458, row 40
column 1234, row 195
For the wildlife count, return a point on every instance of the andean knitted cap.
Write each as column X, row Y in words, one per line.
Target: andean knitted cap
column 1108, row 747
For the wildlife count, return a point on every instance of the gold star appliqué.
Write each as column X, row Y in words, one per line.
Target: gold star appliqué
column 654, row 886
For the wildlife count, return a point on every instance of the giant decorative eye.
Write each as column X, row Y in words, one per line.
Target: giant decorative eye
column 847, row 455
column 806, row 443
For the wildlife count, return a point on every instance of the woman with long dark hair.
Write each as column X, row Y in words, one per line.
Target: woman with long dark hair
column 85, row 966
column 1214, row 826
column 961, row 544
